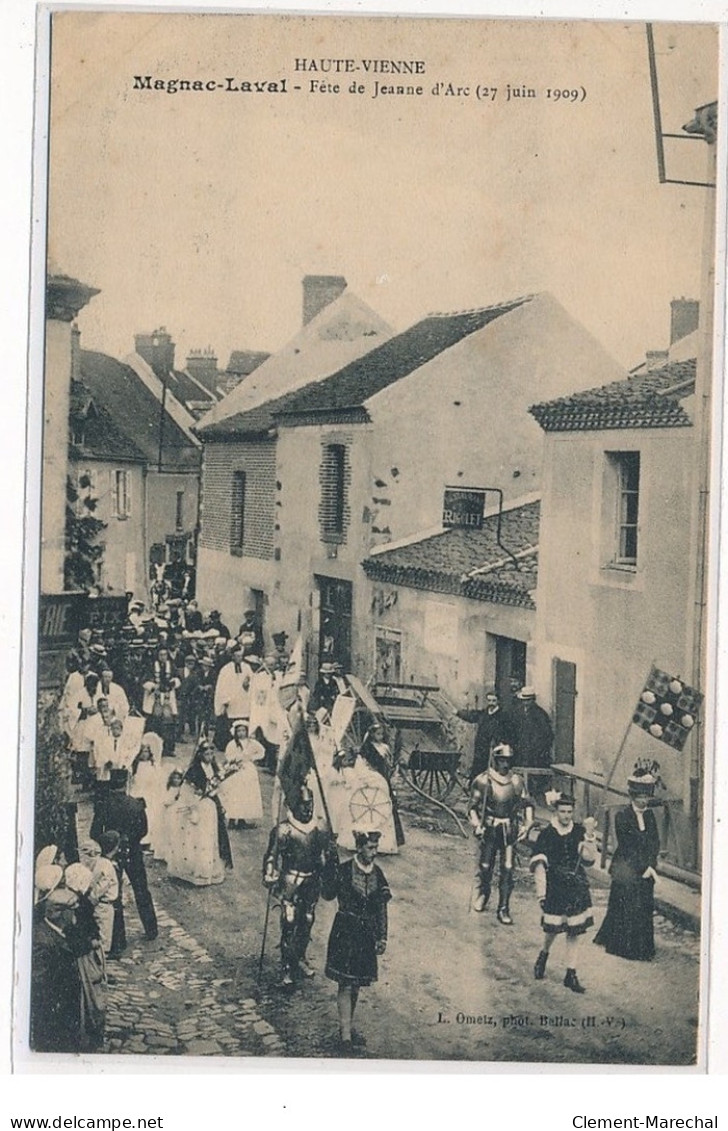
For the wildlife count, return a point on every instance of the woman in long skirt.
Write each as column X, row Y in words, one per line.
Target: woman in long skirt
column 199, row 848
column 627, row 930
column 359, row 932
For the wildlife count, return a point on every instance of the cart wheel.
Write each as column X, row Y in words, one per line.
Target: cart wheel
column 360, row 723
column 435, row 782
column 370, row 806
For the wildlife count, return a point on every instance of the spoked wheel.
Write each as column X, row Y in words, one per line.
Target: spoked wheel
column 370, row 806
column 434, row 781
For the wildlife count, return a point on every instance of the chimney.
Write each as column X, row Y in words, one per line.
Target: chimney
column 157, row 349
column 684, row 314
column 656, row 359
column 318, row 292
column 202, row 364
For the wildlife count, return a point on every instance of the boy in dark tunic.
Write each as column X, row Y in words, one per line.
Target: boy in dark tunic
column 359, row 931
column 561, row 854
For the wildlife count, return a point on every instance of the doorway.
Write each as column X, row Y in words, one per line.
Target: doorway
column 510, row 664
column 335, row 606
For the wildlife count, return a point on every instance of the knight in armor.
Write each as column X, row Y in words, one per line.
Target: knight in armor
column 498, row 803
column 300, row 856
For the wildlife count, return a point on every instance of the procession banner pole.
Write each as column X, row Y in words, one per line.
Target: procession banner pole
column 275, row 854
column 320, row 785
column 623, row 743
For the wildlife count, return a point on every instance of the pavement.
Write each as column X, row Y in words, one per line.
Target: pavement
column 165, row 999
column 193, row 991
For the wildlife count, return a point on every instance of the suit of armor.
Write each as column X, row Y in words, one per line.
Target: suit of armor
column 298, row 856
column 496, row 802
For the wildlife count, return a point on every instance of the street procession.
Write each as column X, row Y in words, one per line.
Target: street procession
column 172, row 737
column 367, row 712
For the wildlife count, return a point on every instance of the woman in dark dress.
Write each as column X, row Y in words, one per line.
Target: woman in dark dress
column 359, row 931
column 561, row 853
column 627, row 930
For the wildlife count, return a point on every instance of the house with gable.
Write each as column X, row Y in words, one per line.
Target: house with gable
column 455, row 609
column 617, row 564
column 165, row 507
column 240, row 549
column 108, row 472
column 364, row 457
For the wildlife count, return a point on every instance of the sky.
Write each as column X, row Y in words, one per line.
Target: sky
column 202, row 211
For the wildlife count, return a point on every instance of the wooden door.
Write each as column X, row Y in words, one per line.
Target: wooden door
column 564, row 679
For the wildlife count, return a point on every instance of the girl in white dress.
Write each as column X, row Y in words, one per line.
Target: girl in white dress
column 240, row 791
column 146, row 781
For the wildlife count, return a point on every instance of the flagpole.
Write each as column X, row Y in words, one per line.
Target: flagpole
column 623, row 743
column 275, row 854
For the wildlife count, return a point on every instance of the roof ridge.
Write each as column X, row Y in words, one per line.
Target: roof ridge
column 479, row 309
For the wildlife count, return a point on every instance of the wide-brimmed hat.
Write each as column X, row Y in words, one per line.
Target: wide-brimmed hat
column 47, row 879
column 242, row 722
column 77, row 877
column 327, row 669
column 641, row 781
column 46, row 856
column 526, row 693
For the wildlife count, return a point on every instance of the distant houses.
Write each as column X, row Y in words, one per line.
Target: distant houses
column 339, row 455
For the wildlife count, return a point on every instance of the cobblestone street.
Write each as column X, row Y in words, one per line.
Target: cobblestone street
column 453, row 985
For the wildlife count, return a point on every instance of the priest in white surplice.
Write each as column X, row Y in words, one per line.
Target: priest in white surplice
column 232, row 694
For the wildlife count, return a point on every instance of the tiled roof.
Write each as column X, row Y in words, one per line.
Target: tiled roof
column 101, row 437
column 342, row 331
column 396, row 358
column 470, row 563
column 187, row 391
column 136, row 412
column 646, row 400
column 243, row 362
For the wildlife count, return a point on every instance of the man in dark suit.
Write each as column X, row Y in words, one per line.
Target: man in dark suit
column 128, row 815
column 494, row 728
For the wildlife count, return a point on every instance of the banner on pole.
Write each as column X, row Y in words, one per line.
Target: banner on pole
column 667, row 708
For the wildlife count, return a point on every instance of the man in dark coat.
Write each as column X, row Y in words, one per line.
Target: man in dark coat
column 128, row 815
column 534, row 736
column 55, row 988
column 494, row 728
column 533, row 740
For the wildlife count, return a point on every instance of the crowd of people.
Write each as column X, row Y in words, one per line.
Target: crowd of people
column 172, row 676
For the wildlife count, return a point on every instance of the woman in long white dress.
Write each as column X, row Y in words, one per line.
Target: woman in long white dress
column 240, row 791
column 146, row 781
column 199, row 848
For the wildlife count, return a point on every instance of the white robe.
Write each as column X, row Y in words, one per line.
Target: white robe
column 240, row 792
column 231, row 698
column 192, row 850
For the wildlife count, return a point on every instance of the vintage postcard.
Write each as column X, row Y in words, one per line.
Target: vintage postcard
column 373, row 698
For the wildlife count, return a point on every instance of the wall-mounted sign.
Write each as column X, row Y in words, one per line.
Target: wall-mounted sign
column 59, row 619
column 463, row 506
column 106, row 613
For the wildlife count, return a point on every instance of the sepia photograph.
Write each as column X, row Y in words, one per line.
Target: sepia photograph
column 371, row 685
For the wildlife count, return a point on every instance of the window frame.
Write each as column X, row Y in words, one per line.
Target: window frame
column 237, row 512
column 121, row 476
column 333, row 487
column 627, row 467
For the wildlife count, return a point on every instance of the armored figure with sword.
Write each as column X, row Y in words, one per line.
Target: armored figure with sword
column 299, row 857
column 497, row 804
